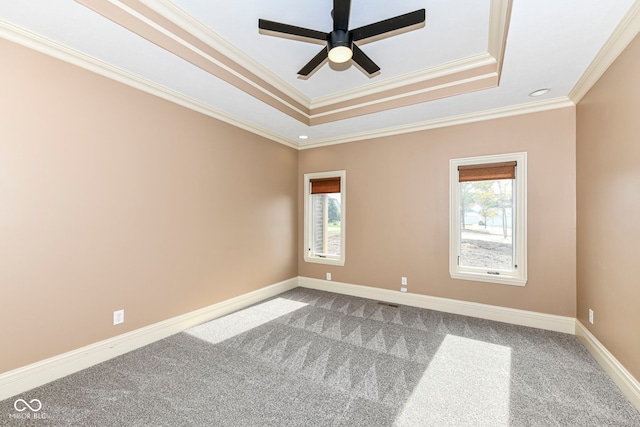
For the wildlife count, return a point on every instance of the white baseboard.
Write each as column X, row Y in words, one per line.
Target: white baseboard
column 27, row 377
column 501, row 314
column 629, row 386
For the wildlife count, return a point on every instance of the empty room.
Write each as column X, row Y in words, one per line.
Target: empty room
column 320, row 213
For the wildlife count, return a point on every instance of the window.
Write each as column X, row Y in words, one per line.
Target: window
column 324, row 216
column 488, row 227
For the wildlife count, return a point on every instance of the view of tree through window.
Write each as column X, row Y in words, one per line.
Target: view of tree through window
column 486, row 224
column 327, row 224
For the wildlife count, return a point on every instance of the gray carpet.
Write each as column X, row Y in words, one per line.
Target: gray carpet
column 312, row 358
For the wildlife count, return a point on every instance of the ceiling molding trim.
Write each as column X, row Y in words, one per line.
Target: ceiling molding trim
column 625, row 32
column 488, row 81
column 463, row 64
column 168, row 26
column 61, row 52
column 190, row 48
column 425, row 90
column 499, row 18
column 499, row 29
column 498, row 113
column 188, row 23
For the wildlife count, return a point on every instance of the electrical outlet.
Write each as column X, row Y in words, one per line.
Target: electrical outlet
column 404, row 281
column 118, row 317
column 403, row 289
column 591, row 316
column 328, row 276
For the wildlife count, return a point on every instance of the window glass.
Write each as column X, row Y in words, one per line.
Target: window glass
column 486, row 225
column 326, row 224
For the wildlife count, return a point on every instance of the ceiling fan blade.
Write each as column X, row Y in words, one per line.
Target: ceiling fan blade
column 303, row 33
column 416, row 18
column 360, row 58
column 340, row 14
column 312, row 65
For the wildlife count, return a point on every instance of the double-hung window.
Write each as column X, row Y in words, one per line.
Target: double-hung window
column 324, row 216
column 488, row 228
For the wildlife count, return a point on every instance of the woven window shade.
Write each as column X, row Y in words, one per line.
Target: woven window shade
column 487, row 172
column 325, row 185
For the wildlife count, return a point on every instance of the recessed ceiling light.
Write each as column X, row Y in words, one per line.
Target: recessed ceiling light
column 303, row 137
column 539, row 92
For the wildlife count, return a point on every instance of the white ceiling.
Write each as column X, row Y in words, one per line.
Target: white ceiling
column 550, row 44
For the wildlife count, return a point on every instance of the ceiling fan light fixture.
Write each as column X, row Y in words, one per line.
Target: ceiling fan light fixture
column 340, row 54
column 339, row 46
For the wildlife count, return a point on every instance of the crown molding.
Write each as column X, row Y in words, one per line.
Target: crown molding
column 179, row 17
column 463, row 64
column 498, row 29
column 403, row 89
column 56, row 50
column 174, row 30
column 498, row 113
column 625, row 32
column 499, row 19
column 166, row 34
column 403, row 95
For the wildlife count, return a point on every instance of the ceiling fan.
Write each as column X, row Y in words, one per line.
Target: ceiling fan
column 340, row 43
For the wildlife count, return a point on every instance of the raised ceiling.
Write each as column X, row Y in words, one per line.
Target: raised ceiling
column 474, row 59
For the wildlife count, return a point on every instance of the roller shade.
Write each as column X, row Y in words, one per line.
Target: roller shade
column 487, row 172
column 325, row 185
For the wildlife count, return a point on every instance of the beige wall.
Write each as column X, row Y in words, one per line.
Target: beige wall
column 111, row 198
column 398, row 209
column 608, row 176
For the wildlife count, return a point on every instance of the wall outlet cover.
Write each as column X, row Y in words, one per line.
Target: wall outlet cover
column 118, row 317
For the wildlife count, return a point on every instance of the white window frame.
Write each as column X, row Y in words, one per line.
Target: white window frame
column 309, row 256
column 519, row 277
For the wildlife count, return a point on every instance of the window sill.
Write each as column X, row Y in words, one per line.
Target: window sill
column 329, row 261
column 483, row 277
